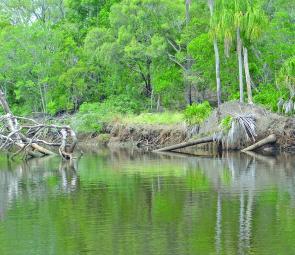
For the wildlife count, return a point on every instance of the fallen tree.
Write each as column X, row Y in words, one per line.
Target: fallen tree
column 31, row 138
column 268, row 140
column 187, row 144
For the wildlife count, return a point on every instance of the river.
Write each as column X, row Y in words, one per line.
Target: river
column 128, row 202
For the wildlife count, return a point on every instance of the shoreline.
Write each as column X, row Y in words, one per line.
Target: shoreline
column 154, row 136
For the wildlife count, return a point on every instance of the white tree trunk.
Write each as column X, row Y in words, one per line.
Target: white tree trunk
column 188, row 64
column 247, row 74
column 217, row 58
column 240, row 59
column 217, row 71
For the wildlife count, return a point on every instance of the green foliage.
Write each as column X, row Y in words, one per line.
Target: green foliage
column 89, row 118
column 286, row 77
column 92, row 116
column 269, row 96
column 226, row 123
column 123, row 104
column 57, row 55
column 165, row 118
column 197, row 113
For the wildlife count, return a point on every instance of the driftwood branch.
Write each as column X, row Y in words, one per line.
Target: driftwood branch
column 187, row 144
column 29, row 137
column 268, row 140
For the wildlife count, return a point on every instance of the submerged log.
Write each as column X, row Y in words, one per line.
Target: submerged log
column 268, row 140
column 209, row 139
column 28, row 135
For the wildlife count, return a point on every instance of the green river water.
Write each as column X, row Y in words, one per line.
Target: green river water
column 124, row 202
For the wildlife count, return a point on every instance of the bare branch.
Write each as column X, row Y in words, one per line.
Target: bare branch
column 27, row 134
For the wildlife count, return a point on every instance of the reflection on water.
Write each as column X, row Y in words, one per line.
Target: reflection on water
column 122, row 202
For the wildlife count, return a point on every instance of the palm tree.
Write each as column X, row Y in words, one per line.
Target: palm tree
column 246, row 20
column 254, row 22
column 230, row 23
column 238, row 15
column 188, row 63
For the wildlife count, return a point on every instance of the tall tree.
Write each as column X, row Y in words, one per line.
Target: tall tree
column 238, row 23
column 188, row 85
column 254, row 23
column 137, row 43
column 216, row 51
column 246, row 19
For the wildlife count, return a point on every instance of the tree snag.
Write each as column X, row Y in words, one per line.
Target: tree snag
column 186, row 144
column 265, row 141
column 31, row 138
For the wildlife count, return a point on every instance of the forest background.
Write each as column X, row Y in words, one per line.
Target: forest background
column 106, row 58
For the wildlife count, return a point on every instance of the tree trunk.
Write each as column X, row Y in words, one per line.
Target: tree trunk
column 12, row 122
column 42, row 99
column 240, row 59
column 188, row 64
column 265, row 141
column 247, row 74
column 188, row 88
column 217, row 67
column 148, row 79
column 187, row 144
column 217, row 58
column 187, row 9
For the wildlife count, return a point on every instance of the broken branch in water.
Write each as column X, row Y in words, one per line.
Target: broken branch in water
column 27, row 135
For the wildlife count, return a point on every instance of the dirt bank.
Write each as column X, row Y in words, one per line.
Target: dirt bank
column 138, row 135
column 266, row 123
column 156, row 136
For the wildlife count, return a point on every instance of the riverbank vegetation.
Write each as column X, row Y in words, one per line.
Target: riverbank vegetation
column 107, row 59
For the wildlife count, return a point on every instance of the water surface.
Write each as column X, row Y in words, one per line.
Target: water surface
column 120, row 202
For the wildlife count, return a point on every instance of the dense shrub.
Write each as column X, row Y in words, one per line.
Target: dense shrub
column 269, row 96
column 123, row 104
column 197, row 113
column 89, row 118
column 92, row 116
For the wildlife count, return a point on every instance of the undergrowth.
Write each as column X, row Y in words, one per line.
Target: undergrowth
column 164, row 118
column 197, row 113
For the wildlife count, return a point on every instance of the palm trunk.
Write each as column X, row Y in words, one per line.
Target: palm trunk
column 188, row 86
column 217, row 58
column 247, row 74
column 240, row 59
column 217, row 70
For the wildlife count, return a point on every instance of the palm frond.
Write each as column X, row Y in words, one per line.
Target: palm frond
column 242, row 130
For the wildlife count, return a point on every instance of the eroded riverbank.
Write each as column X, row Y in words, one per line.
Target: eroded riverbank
column 149, row 137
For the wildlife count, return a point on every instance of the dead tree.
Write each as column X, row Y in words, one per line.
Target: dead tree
column 268, row 140
column 31, row 138
column 186, row 144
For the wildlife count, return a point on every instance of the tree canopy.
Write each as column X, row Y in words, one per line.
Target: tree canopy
column 56, row 55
